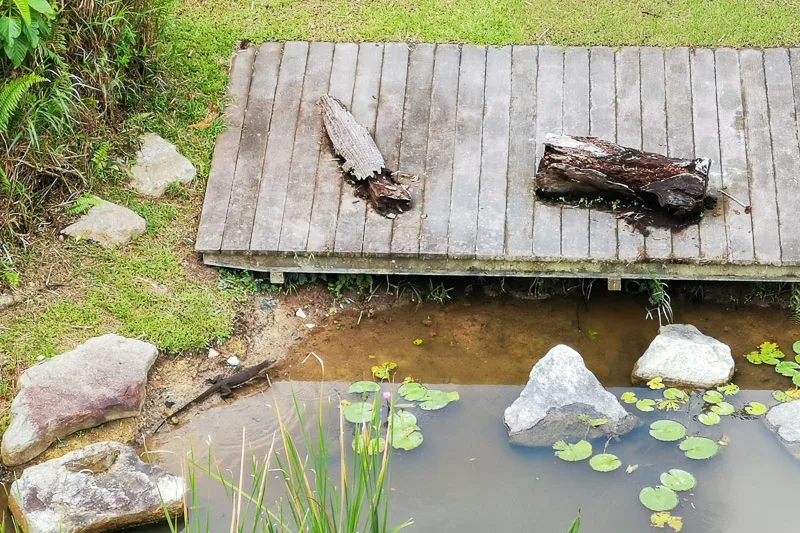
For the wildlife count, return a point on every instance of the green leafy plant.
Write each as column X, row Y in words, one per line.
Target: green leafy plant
column 723, row 409
column 667, row 430
column 768, row 354
column 593, row 422
column 24, row 24
column 755, row 408
column 646, row 405
column 709, row 419
column 384, row 370
column 605, row 462
column 360, row 387
column 665, row 518
column 13, row 92
column 659, row 300
column 699, row 448
column 656, row 383
column 729, row 390
column 83, row 203
column 713, row 397
column 658, row 498
column 678, row 480
column 579, row 451
column 629, row 397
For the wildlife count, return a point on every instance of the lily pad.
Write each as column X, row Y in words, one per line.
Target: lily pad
column 709, row 419
column 678, row 480
column 358, row 412
column 796, row 347
column 605, row 462
column 787, row 368
column 755, row 408
column 699, row 448
column 573, row 452
column 412, row 391
column 713, row 396
column 406, row 441
column 453, row 396
column 433, row 400
column 796, row 380
column 629, row 397
column 656, row 383
column 675, row 394
column 402, row 421
column 360, row 387
column 667, row 430
column 375, row 445
column 647, row 405
column 658, row 498
column 730, row 389
column 782, row 396
column 723, row 409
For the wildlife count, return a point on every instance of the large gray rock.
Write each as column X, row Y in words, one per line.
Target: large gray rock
column 102, row 487
column 103, row 379
column 159, row 165
column 107, row 224
column 560, row 389
column 682, row 356
column 784, row 421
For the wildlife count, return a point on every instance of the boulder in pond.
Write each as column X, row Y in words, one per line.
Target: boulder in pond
column 101, row 487
column 159, row 165
column 684, row 357
column 560, row 389
column 107, row 224
column 103, row 379
column 784, row 421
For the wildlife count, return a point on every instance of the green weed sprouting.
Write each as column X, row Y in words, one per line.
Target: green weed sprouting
column 315, row 502
column 660, row 300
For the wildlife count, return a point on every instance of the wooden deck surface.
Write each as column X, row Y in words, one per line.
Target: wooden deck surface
column 469, row 121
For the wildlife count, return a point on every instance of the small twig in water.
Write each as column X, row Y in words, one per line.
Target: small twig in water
column 733, row 198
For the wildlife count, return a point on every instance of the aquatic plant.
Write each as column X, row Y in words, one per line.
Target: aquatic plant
column 358, row 412
column 709, row 419
column 678, row 480
column 384, row 370
column 755, row 408
column 667, row 430
column 605, row 462
column 729, row 390
column 660, row 300
column 768, row 354
column 646, row 405
column 576, row 524
column 658, row 498
column 573, row 452
column 713, row 397
column 593, row 422
column 665, row 518
column 656, row 383
column 629, row 397
column 360, row 387
column 723, row 409
column 787, row 396
column 699, row 448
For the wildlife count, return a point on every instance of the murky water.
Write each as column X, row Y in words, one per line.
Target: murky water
column 466, row 478
column 496, row 341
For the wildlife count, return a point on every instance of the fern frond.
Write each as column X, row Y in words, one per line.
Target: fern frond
column 11, row 94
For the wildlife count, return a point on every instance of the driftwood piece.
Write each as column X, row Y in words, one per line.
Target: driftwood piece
column 362, row 159
column 590, row 168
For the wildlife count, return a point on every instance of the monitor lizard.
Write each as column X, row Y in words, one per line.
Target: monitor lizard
column 223, row 386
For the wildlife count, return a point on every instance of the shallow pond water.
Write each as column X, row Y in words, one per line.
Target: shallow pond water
column 466, row 478
column 481, row 340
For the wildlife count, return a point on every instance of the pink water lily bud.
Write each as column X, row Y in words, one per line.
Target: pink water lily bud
column 387, row 395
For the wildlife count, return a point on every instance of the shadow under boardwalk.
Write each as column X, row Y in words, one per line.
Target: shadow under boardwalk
column 469, row 121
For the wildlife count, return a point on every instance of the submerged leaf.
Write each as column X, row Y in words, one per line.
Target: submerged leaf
column 573, row 452
column 666, row 519
column 656, row 383
column 713, row 396
column 364, row 386
column 709, row 419
column 605, row 462
column 699, row 448
column 729, row 390
column 631, row 469
column 755, row 408
column 678, row 480
column 646, row 405
column 658, row 498
column 667, row 430
column 669, row 405
column 723, row 409
column 676, row 394
column 358, row 412
column 629, row 397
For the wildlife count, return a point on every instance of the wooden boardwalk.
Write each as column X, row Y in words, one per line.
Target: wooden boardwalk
column 470, row 121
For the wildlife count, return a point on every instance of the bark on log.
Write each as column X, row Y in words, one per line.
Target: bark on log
column 587, row 167
column 362, row 159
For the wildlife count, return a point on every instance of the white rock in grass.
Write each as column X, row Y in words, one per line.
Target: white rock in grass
column 103, row 379
column 107, row 224
column 159, row 165
column 784, row 421
column 101, row 487
column 560, row 389
column 683, row 356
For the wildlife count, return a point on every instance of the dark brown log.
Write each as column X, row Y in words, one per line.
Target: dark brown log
column 590, row 168
column 362, row 159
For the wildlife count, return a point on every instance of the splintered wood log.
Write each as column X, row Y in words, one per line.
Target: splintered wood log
column 362, row 159
column 588, row 168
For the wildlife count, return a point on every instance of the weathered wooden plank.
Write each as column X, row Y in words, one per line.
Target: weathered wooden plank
column 352, row 210
column 785, row 150
column 549, row 103
column 575, row 222
column 330, row 179
column 413, row 147
column 388, row 131
column 713, row 239
column 657, row 245
column 467, row 159
column 490, row 242
column 602, row 124
column 522, row 152
column 766, row 239
column 441, row 141
column 253, row 146
column 278, row 159
column 305, row 157
column 223, row 163
column 680, row 136
column 629, row 133
column 733, row 156
column 794, row 55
